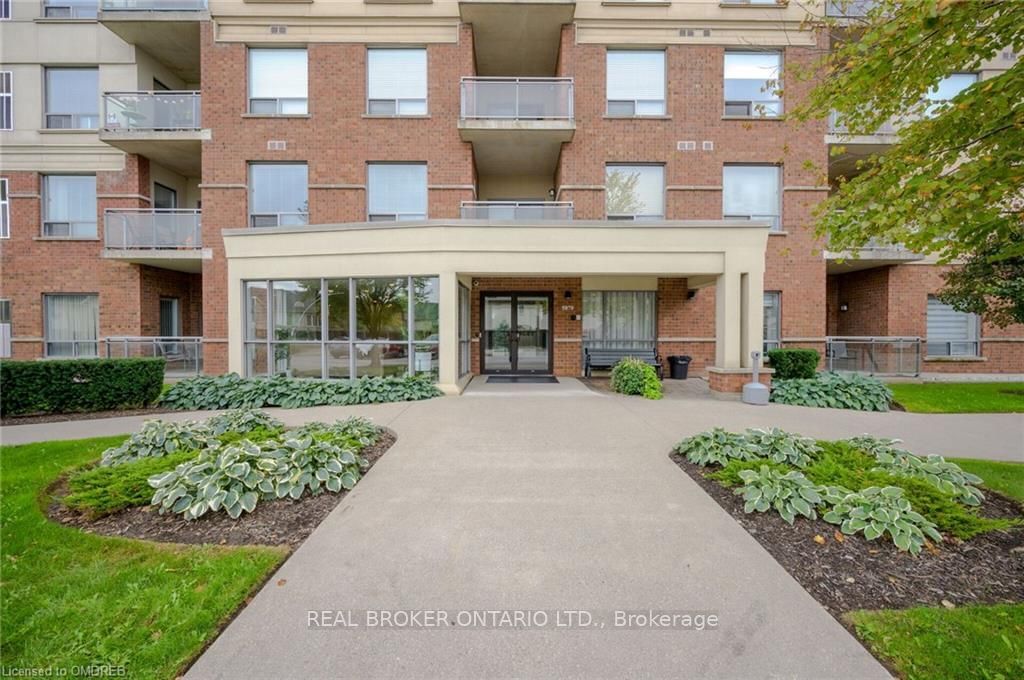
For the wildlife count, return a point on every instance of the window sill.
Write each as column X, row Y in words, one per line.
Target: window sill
column 65, row 238
column 276, row 115
column 423, row 116
column 782, row 117
column 949, row 359
column 67, row 131
column 662, row 117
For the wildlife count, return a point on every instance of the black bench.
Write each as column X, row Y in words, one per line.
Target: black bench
column 607, row 358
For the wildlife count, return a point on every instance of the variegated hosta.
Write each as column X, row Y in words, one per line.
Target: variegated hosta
column 242, row 421
column 235, row 477
column 716, row 446
column 790, row 494
column 876, row 511
column 936, row 470
column 780, row 446
column 159, row 438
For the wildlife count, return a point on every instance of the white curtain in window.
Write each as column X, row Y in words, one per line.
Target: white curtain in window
column 278, row 188
column 619, row 319
column 747, row 76
column 636, row 75
column 73, row 90
column 637, row 190
column 72, row 319
column 750, row 191
column 772, row 319
column 397, row 74
column 70, row 198
column 396, row 189
column 278, row 74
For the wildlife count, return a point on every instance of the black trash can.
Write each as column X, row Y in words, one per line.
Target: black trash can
column 679, row 366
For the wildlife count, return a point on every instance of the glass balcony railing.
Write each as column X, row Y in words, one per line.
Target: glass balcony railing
column 848, row 9
column 836, row 125
column 517, row 210
column 154, row 229
column 517, row 98
column 162, row 110
column 152, row 5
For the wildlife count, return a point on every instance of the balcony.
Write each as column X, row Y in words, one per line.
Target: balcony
column 848, row 9
column 166, row 29
column 163, row 126
column 169, row 239
column 184, row 355
column 873, row 254
column 837, row 132
column 517, row 211
column 516, row 125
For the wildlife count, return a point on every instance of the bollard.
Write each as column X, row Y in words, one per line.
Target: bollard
column 754, row 392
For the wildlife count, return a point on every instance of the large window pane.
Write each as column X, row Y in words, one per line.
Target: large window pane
column 636, row 82
column 751, row 192
column 382, row 309
column 338, row 357
column 296, row 310
column 751, row 82
column 256, row 310
column 619, row 319
column 72, row 98
column 381, row 359
column 278, row 81
column 397, row 192
column 338, row 318
column 396, row 82
column 69, row 208
column 425, row 360
column 951, row 332
column 278, row 194
column 635, row 191
column 298, row 360
column 772, row 320
column 255, row 359
column 72, row 325
column 425, row 291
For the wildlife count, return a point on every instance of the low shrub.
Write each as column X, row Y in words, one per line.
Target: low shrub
column 99, row 491
column 794, row 364
column 875, row 511
column 633, row 376
column 234, row 478
column 79, row 385
column 834, row 390
column 716, row 447
column 157, row 439
column 789, row 493
column 780, row 446
column 233, row 391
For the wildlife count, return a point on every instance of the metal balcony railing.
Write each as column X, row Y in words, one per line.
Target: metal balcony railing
column 874, row 355
column 156, row 229
column 154, row 110
column 517, row 210
column 153, row 5
column 184, row 354
column 517, row 98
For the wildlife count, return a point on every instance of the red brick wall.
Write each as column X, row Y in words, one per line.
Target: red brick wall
column 165, row 283
column 866, row 295
column 336, row 140
column 679, row 317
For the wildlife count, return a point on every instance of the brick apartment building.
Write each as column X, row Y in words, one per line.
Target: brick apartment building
column 330, row 189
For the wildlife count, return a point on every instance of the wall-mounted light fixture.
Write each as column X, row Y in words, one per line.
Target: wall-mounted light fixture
column 551, row 193
column 690, row 294
column 567, row 295
column 843, row 307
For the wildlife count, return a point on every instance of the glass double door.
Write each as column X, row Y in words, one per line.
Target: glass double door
column 516, row 333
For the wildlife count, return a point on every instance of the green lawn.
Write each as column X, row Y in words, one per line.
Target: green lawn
column 1003, row 397
column 984, row 642
column 69, row 598
column 1006, row 478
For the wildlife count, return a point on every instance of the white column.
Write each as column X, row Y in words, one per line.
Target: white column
column 448, row 336
column 727, row 319
column 752, row 316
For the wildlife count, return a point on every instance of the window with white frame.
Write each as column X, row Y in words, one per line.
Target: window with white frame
column 69, row 206
column 5, row 208
column 5, row 9
column 614, row 319
column 636, row 82
column 71, row 325
column 752, row 192
column 772, row 320
column 946, row 89
column 951, row 332
column 396, row 191
column 70, row 9
column 396, row 82
column 5, row 328
column 6, row 100
column 278, row 81
column 752, row 82
column 72, row 98
column 635, row 192
column 278, row 194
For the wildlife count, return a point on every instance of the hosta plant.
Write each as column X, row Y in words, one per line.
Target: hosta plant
column 780, row 446
column 159, row 438
column 790, row 494
column 876, row 511
column 717, row 446
column 834, row 390
column 242, row 421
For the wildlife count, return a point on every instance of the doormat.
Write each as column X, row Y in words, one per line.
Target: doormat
column 522, row 379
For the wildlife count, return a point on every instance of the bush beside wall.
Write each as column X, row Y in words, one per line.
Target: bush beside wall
column 78, row 385
column 794, row 364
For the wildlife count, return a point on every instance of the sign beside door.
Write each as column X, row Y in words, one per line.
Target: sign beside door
column 516, row 333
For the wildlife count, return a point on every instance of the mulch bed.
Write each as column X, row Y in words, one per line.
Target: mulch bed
column 63, row 417
column 848, row 572
column 277, row 522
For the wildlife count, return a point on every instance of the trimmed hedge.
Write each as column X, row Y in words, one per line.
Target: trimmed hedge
column 232, row 391
column 794, row 364
column 79, row 385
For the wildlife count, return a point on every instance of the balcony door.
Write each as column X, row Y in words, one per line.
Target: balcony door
column 516, row 333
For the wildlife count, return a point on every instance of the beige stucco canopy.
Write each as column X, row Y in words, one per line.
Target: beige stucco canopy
column 730, row 254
